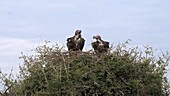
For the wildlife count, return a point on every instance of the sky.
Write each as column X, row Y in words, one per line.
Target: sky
column 26, row 24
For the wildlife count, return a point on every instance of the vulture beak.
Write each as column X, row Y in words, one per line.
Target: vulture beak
column 78, row 32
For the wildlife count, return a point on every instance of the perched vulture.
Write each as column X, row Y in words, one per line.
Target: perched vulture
column 75, row 43
column 99, row 45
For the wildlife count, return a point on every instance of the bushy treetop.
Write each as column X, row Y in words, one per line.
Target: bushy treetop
column 123, row 71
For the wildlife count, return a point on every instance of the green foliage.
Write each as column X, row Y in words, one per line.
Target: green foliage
column 122, row 72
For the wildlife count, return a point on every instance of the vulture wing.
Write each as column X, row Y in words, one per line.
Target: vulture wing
column 106, row 44
column 70, row 43
column 94, row 45
column 81, row 43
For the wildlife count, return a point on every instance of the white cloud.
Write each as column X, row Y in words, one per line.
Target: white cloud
column 12, row 45
column 10, row 49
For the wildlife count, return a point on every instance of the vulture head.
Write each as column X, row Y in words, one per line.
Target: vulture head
column 77, row 34
column 97, row 37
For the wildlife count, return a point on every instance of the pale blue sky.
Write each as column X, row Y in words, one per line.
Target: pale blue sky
column 24, row 24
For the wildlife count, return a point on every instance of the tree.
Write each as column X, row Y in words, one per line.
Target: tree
column 124, row 71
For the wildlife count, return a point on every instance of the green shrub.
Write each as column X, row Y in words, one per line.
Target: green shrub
column 122, row 72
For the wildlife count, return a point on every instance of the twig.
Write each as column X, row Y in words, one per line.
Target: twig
column 124, row 80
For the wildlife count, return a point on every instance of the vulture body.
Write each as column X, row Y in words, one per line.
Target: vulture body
column 75, row 43
column 99, row 45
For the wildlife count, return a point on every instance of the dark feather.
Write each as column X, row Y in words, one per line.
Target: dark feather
column 80, row 44
column 75, row 45
column 70, row 43
column 100, row 48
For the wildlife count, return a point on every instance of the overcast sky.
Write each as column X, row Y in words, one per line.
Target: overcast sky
column 25, row 24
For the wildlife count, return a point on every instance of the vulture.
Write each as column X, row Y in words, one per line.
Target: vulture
column 99, row 45
column 76, row 43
